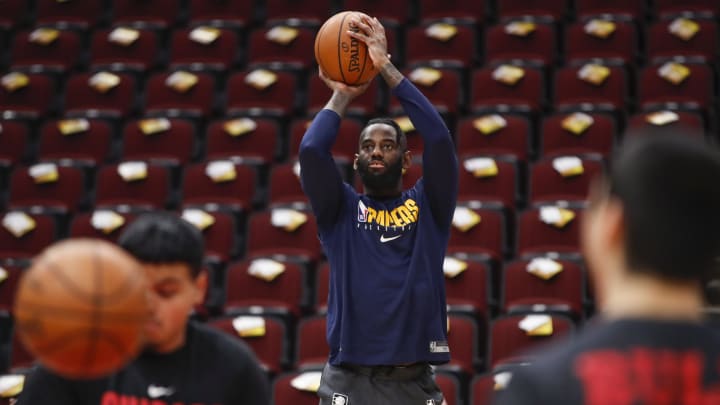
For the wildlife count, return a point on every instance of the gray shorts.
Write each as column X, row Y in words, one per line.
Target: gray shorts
column 379, row 385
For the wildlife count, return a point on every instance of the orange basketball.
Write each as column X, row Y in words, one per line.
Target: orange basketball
column 81, row 308
column 343, row 58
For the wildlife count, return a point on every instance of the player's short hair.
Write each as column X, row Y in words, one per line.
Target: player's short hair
column 669, row 187
column 400, row 136
column 164, row 238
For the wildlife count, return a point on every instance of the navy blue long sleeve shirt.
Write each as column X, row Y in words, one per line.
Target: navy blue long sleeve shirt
column 387, row 294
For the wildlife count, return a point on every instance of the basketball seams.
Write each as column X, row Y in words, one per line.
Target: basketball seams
column 339, row 48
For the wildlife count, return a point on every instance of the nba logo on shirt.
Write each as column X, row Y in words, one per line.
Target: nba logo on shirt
column 430, row 402
column 362, row 213
column 340, row 399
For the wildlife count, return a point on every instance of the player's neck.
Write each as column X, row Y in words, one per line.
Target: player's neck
column 169, row 346
column 641, row 296
column 383, row 194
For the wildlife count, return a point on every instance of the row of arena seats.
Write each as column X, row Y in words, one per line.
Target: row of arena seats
column 480, row 229
column 279, row 93
column 239, row 13
column 454, row 43
column 79, row 164
column 295, row 374
column 281, row 346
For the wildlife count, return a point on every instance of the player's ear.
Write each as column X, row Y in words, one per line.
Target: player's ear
column 355, row 159
column 407, row 160
column 201, row 284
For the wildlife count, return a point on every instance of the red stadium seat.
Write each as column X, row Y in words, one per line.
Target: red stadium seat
column 84, row 141
column 312, row 347
column 38, row 186
column 101, row 224
column 166, row 94
column 689, row 122
column 247, row 140
column 474, row 184
column 509, row 343
column 482, row 388
column 313, row 12
column 85, row 97
column 449, row 385
column 230, row 13
column 699, row 8
column 15, row 13
column 445, row 93
column 468, row 292
column 211, row 184
column 81, row 14
column 282, row 294
column 390, row 11
column 269, row 45
column 573, row 92
column 283, row 232
column 270, row 346
column 507, row 135
column 220, row 232
column 23, row 234
column 597, row 139
column 536, row 48
column 551, row 10
column 488, row 94
column 464, row 340
column 285, row 393
column 59, row 55
column 109, row 51
column 618, row 48
column 625, row 9
column 21, row 360
column 547, row 184
column 543, row 290
column 261, row 92
column 478, row 231
column 561, row 236
column 139, row 192
column 9, row 277
column 466, row 11
column 163, row 141
column 284, row 185
column 429, row 42
column 702, row 46
column 27, row 95
column 219, row 54
column 158, row 14
column 695, row 92
column 14, row 138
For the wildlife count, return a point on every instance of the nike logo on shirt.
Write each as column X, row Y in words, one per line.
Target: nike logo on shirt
column 383, row 239
column 156, row 391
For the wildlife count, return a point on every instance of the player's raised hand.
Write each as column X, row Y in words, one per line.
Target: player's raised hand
column 340, row 87
column 372, row 33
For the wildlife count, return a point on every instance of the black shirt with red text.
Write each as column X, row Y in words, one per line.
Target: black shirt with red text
column 210, row 369
column 624, row 362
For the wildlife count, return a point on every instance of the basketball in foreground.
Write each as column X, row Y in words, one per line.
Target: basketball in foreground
column 81, row 308
column 343, row 58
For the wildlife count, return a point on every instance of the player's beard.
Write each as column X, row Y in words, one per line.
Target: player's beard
column 385, row 180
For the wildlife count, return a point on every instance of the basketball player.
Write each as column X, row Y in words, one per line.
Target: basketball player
column 386, row 308
column 184, row 362
column 650, row 235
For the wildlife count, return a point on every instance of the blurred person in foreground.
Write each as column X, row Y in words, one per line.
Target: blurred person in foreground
column 650, row 236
